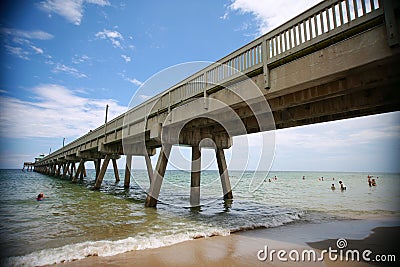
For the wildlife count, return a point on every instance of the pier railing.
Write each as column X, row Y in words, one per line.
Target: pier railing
column 328, row 22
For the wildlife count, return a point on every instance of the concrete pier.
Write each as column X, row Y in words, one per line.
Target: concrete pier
column 347, row 66
column 29, row 166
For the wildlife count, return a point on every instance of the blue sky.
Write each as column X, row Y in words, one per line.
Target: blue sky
column 63, row 61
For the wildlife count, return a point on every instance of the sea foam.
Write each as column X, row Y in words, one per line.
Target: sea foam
column 104, row 248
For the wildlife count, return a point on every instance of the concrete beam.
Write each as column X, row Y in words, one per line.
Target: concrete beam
column 89, row 154
column 193, row 136
column 138, row 149
column 115, row 148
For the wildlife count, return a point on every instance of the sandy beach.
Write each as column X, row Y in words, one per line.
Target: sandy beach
column 241, row 248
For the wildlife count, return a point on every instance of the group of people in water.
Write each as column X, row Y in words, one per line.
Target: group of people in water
column 371, row 181
column 341, row 185
column 269, row 180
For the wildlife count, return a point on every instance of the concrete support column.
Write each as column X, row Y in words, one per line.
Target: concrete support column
column 102, row 172
column 59, row 169
column 69, row 168
column 155, row 186
column 223, row 173
column 195, row 177
column 128, row 166
column 78, row 171
column 97, row 164
column 53, row 169
column 83, row 171
column 65, row 170
column 149, row 167
column 71, row 174
column 116, row 174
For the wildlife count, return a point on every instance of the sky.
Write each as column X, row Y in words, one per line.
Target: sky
column 63, row 61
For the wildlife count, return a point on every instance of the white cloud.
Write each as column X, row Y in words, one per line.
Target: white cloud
column 341, row 134
column 131, row 80
column 55, row 111
column 114, row 36
column 225, row 16
column 126, row 58
column 116, row 39
column 98, row 2
column 270, row 13
column 71, row 10
column 69, row 70
column 18, row 52
column 134, row 81
column 37, row 49
column 109, row 34
column 17, row 42
column 37, row 34
column 80, row 59
column 360, row 144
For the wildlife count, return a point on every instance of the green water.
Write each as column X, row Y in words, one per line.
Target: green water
column 75, row 221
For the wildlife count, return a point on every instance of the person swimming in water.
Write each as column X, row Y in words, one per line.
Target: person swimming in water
column 342, row 186
column 333, row 187
column 40, row 196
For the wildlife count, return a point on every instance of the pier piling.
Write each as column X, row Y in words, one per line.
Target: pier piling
column 195, row 177
column 116, row 174
column 128, row 166
column 155, row 186
column 102, row 172
column 223, row 172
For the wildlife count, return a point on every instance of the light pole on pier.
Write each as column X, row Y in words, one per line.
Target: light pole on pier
column 105, row 125
column 106, row 114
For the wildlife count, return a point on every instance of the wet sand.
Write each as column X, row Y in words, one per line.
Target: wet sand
column 241, row 249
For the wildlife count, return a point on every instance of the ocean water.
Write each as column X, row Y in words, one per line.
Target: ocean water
column 74, row 221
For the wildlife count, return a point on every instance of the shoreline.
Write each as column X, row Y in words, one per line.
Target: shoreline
column 241, row 248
